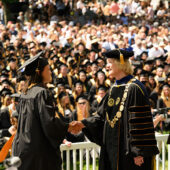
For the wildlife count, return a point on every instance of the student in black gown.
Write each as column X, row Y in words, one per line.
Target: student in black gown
column 40, row 133
column 123, row 125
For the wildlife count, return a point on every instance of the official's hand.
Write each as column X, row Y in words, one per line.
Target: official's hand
column 75, row 127
column 138, row 160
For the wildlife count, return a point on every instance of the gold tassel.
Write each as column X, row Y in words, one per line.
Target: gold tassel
column 121, row 58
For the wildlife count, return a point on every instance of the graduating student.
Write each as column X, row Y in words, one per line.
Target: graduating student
column 123, row 125
column 40, row 133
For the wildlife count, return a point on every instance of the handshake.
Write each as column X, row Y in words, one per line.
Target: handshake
column 75, row 127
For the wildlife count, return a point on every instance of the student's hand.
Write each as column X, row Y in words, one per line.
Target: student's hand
column 68, row 143
column 75, row 127
column 138, row 160
column 12, row 130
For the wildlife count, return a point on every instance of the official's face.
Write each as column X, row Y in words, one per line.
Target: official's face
column 112, row 67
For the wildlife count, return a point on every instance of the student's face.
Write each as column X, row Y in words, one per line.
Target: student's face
column 112, row 67
column 166, row 91
column 82, row 103
column 82, row 77
column 46, row 74
column 101, row 93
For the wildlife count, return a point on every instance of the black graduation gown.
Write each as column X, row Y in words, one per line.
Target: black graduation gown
column 39, row 133
column 133, row 134
column 5, row 123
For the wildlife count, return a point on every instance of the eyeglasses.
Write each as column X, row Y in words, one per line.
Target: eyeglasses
column 82, row 103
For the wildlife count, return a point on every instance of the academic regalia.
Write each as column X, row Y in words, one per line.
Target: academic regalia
column 5, row 123
column 133, row 133
column 39, row 133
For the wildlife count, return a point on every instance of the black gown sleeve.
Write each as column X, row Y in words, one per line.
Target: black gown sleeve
column 140, row 124
column 54, row 128
column 94, row 125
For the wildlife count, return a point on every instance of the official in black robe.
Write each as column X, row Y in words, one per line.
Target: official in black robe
column 40, row 133
column 123, row 125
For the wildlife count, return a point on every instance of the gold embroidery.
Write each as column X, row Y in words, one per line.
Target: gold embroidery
column 121, row 108
column 117, row 100
column 111, row 102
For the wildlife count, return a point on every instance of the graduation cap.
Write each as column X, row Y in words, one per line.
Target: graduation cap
column 61, row 95
column 144, row 73
column 161, row 58
column 12, row 59
column 87, row 64
column 34, row 63
column 62, row 65
column 4, row 71
column 60, row 82
column 78, row 82
column 137, row 63
column 5, row 92
column 4, row 75
column 6, row 81
column 100, row 71
column 151, row 75
column 26, row 57
column 94, row 63
column 82, row 71
column 43, row 44
column 168, row 75
column 160, row 66
column 149, row 61
column 10, row 48
column 63, row 50
column 54, row 57
column 161, row 80
column 82, row 97
column 118, row 54
column 15, row 95
column 101, row 87
column 166, row 85
column 144, row 53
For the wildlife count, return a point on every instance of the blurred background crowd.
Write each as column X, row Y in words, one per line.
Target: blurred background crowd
column 74, row 34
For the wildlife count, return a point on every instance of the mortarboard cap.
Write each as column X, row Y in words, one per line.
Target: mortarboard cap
column 100, row 71
column 82, row 71
column 61, row 95
column 12, row 59
column 160, row 66
column 36, row 62
column 10, row 48
column 149, row 61
column 120, row 55
column 78, row 82
column 151, row 75
column 6, row 81
column 15, row 95
column 82, row 96
column 60, row 82
column 161, row 79
column 94, row 63
column 101, row 87
column 43, row 44
column 5, row 92
column 4, row 75
column 144, row 73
